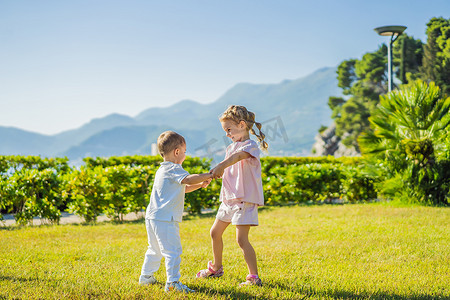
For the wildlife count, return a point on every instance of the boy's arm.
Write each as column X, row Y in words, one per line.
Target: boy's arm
column 193, row 187
column 196, row 178
column 217, row 172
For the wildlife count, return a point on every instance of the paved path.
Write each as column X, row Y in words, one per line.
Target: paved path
column 66, row 218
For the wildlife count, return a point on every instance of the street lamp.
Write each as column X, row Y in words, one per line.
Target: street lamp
column 390, row 31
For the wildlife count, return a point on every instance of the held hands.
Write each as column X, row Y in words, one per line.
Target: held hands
column 206, row 182
column 217, row 171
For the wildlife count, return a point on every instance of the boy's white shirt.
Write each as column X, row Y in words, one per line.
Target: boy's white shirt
column 167, row 197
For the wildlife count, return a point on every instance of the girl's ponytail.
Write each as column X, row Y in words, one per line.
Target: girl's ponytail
column 239, row 113
column 261, row 136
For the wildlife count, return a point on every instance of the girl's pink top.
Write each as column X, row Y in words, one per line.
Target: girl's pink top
column 242, row 182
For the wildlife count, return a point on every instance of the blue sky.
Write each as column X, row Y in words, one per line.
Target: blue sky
column 63, row 63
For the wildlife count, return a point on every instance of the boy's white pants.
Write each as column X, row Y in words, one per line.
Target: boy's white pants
column 164, row 241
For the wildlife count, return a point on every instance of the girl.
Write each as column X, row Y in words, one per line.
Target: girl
column 241, row 192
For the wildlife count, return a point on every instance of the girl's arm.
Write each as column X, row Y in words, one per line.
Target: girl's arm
column 217, row 172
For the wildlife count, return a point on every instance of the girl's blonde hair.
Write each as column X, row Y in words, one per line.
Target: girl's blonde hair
column 238, row 113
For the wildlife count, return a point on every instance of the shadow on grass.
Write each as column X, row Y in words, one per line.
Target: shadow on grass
column 376, row 295
column 19, row 227
column 101, row 223
column 304, row 293
column 18, row 279
column 8, row 228
column 228, row 294
column 308, row 292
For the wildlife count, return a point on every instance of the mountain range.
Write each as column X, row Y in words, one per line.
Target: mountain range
column 291, row 112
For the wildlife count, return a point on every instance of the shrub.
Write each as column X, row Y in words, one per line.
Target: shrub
column 116, row 186
column 131, row 177
column 411, row 128
column 13, row 163
column 84, row 191
column 126, row 189
column 132, row 161
column 31, row 179
column 358, row 184
column 34, row 193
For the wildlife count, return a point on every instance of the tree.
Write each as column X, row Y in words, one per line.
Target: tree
column 346, row 75
column 410, row 133
column 363, row 81
column 436, row 60
column 407, row 57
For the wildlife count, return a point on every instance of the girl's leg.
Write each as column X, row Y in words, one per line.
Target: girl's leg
column 217, row 243
column 249, row 253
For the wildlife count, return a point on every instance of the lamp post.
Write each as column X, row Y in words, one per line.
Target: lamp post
column 392, row 31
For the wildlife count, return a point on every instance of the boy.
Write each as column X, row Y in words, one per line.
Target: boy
column 164, row 213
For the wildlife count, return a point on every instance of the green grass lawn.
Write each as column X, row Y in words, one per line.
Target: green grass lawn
column 321, row 252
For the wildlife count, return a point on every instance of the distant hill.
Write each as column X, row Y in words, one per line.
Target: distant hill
column 291, row 112
column 125, row 141
column 18, row 141
column 77, row 136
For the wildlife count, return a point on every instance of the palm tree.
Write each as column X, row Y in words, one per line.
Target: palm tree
column 410, row 129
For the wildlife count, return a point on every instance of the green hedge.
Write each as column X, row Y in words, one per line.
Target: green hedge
column 31, row 186
column 302, row 181
column 44, row 187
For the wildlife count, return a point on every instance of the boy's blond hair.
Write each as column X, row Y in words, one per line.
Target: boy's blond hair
column 168, row 141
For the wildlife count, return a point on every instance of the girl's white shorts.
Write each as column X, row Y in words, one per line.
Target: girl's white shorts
column 238, row 214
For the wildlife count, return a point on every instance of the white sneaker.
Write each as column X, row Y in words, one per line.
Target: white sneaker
column 177, row 286
column 147, row 279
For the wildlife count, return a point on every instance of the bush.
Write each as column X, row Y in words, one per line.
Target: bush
column 4, row 201
column 132, row 161
column 359, row 185
column 126, row 190
column 317, row 182
column 85, row 192
column 13, row 163
column 31, row 187
column 410, row 137
column 36, row 187
column 34, row 193
column 132, row 192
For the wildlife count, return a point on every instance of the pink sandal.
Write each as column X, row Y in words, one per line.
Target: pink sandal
column 251, row 279
column 210, row 272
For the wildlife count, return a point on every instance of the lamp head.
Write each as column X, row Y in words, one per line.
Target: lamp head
column 390, row 30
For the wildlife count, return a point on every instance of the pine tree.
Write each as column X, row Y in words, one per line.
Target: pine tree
column 436, row 59
column 407, row 57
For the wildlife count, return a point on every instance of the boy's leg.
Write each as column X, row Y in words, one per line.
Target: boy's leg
column 249, row 253
column 153, row 255
column 217, row 242
column 168, row 234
